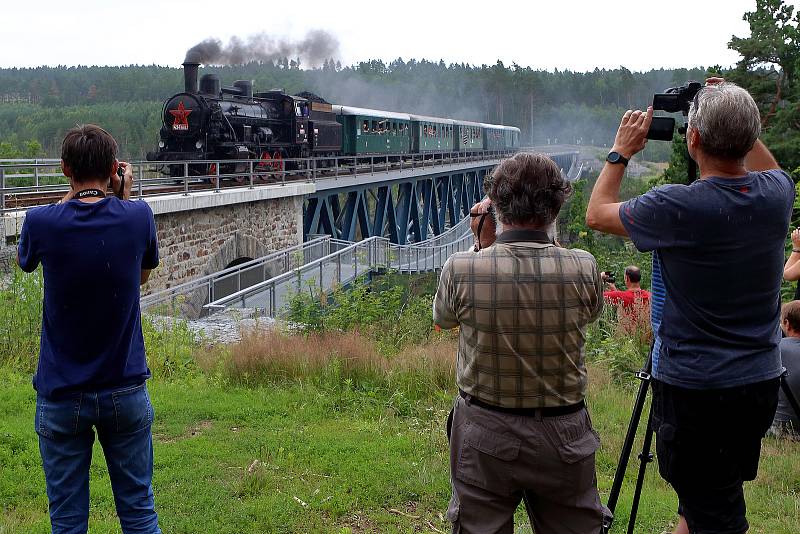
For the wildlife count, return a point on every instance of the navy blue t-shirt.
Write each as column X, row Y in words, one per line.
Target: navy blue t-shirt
column 718, row 253
column 92, row 255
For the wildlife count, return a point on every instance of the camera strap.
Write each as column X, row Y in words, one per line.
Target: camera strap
column 90, row 193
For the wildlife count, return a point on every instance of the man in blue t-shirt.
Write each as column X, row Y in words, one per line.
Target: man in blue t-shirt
column 716, row 362
column 95, row 251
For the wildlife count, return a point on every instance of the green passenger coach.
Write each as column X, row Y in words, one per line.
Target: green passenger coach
column 469, row 136
column 372, row 132
column 431, row 134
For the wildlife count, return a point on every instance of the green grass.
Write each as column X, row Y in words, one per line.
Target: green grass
column 299, row 457
column 340, row 429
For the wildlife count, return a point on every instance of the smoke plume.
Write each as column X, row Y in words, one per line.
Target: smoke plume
column 316, row 47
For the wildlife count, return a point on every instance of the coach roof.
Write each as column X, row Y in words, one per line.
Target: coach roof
column 365, row 112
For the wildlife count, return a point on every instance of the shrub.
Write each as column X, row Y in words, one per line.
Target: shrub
column 392, row 315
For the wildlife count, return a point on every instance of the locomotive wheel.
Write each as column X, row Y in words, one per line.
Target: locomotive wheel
column 263, row 166
column 278, row 165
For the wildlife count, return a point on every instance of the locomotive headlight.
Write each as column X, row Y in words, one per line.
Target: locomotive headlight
column 198, row 145
column 161, row 144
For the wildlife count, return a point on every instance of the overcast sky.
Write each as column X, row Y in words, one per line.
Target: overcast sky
column 565, row 34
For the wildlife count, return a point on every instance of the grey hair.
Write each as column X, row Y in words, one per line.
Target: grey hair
column 727, row 119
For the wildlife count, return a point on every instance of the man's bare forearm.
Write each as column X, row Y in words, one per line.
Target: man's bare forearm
column 604, row 203
column 760, row 158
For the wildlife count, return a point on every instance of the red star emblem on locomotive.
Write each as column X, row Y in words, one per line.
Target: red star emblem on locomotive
column 181, row 117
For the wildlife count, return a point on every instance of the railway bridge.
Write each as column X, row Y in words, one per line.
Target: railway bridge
column 235, row 214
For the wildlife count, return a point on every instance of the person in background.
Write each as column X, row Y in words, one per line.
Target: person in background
column 787, row 423
column 633, row 294
column 633, row 304
column 95, row 250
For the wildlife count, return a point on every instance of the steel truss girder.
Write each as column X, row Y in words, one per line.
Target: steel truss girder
column 404, row 211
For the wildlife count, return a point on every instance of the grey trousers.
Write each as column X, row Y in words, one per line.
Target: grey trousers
column 496, row 457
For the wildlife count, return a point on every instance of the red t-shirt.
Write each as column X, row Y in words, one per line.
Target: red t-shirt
column 628, row 298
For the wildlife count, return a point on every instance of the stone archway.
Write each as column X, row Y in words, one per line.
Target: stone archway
column 237, row 249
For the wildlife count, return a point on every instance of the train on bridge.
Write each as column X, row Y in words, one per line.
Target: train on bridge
column 210, row 122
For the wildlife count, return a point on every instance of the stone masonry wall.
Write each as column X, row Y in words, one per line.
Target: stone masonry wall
column 8, row 258
column 199, row 242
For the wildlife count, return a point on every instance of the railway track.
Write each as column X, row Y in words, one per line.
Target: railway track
column 29, row 199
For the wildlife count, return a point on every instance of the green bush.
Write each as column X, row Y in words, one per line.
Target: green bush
column 393, row 315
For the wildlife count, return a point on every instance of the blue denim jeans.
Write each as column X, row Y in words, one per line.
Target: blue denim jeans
column 122, row 418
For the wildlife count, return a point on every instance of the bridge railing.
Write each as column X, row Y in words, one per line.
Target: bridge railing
column 347, row 262
column 31, row 182
column 187, row 299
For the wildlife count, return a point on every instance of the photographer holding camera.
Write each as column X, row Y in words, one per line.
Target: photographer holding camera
column 519, row 425
column 95, row 251
column 715, row 362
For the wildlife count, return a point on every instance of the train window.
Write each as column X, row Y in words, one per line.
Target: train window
column 365, row 127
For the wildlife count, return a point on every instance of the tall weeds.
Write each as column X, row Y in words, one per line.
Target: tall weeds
column 338, row 359
column 21, row 320
column 170, row 347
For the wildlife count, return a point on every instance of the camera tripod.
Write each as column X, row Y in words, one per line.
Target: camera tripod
column 645, row 457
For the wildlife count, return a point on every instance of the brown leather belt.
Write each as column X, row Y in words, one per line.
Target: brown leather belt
column 550, row 411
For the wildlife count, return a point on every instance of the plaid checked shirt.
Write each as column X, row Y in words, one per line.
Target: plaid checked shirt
column 523, row 306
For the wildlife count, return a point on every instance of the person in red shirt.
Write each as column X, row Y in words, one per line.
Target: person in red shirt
column 632, row 295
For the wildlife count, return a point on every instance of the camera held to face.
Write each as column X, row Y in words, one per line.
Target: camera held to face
column 673, row 100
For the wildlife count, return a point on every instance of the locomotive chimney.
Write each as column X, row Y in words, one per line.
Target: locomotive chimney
column 190, row 69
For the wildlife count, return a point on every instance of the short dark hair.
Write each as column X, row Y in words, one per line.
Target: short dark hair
column 528, row 188
column 633, row 273
column 89, row 151
column 791, row 312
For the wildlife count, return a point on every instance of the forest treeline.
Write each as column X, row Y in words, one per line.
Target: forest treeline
column 38, row 104
column 563, row 106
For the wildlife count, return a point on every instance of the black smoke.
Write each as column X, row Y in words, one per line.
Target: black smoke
column 316, row 47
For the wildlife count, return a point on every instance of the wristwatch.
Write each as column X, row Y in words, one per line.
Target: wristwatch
column 616, row 157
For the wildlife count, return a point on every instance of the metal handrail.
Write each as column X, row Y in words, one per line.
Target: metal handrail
column 208, row 282
column 328, row 272
column 149, row 175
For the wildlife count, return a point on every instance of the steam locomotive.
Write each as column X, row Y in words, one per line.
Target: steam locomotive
column 210, row 122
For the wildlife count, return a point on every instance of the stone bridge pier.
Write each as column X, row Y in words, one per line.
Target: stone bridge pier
column 205, row 232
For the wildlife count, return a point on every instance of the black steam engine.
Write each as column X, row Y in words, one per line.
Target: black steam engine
column 210, row 122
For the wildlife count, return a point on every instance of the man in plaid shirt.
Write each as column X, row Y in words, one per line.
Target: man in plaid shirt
column 519, row 426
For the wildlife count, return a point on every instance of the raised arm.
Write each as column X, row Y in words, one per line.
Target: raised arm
column 791, row 271
column 760, row 158
column 602, row 212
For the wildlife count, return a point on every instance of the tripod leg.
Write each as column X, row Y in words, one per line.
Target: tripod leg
column 645, row 457
column 627, row 445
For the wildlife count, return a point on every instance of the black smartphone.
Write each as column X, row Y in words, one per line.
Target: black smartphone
column 661, row 129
